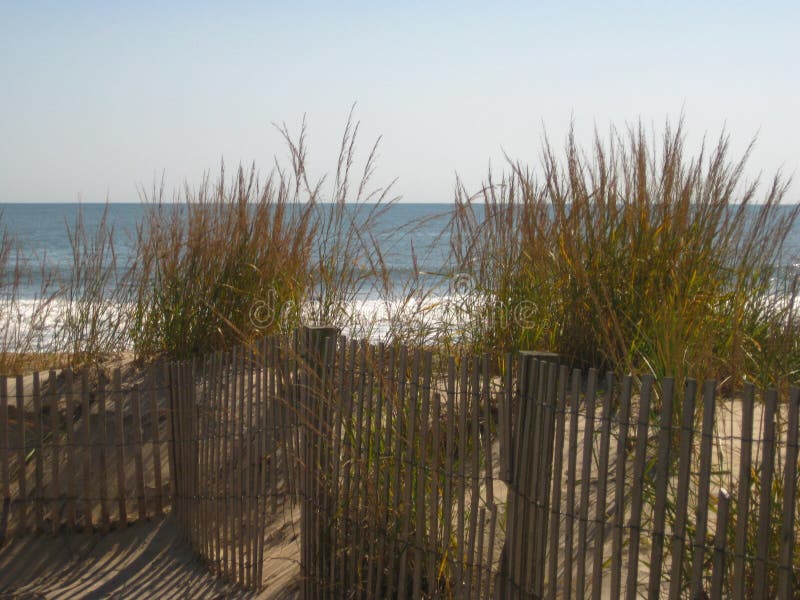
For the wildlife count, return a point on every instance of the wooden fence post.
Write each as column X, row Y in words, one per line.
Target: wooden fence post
column 314, row 342
column 529, row 485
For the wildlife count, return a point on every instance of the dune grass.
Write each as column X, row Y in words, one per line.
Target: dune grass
column 24, row 323
column 206, row 260
column 93, row 302
column 634, row 256
column 234, row 260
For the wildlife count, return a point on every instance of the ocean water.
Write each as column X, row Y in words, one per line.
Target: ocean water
column 42, row 233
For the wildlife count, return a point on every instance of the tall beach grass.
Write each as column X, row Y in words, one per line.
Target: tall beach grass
column 634, row 255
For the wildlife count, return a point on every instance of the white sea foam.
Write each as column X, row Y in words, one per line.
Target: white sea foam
column 38, row 326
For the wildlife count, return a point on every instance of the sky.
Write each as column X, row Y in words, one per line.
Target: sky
column 101, row 99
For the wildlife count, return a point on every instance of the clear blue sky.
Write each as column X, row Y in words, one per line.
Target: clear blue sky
column 97, row 98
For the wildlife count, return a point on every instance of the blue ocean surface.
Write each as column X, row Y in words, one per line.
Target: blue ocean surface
column 413, row 238
column 42, row 231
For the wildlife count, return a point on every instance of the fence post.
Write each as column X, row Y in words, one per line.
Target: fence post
column 529, row 485
column 314, row 341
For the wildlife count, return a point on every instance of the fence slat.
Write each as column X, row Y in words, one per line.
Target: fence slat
column 519, row 499
column 660, row 491
column 479, row 553
column 203, row 518
column 530, row 489
column 555, row 504
column 307, row 563
column 233, row 467
column 321, row 351
column 620, row 478
column 411, row 432
column 486, row 401
column 171, row 401
column 361, row 423
column 262, row 451
column 194, row 452
column 210, row 404
column 450, row 433
column 55, row 452
column 38, row 499
column 384, row 417
column 704, row 479
column 228, row 459
column 22, row 464
column 635, row 523
column 275, row 421
column 460, row 491
column 334, row 460
column 586, row 472
column 473, row 401
column 506, row 450
column 226, row 468
column 176, row 440
column 490, row 552
column 682, row 497
column 190, row 452
column 421, row 475
column 120, row 447
column 155, row 438
column 255, row 461
column 372, row 439
column 548, row 404
column 743, row 497
column 249, row 456
column 72, row 466
column 88, row 505
column 602, row 485
column 789, row 498
column 572, row 460
column 244, row 396
column 215, row 487
column 434, row 502
column 105, row 515
column 182, row 434
column 718, row 561
column 136, row 425
column 347, row 456
column 765, row 499
column 5, row 454
column 204, row 489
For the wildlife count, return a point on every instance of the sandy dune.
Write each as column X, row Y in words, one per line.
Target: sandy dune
column 149, row 559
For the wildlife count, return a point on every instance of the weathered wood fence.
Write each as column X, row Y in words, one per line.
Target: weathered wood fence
column 83, row 451
column 430, row 477
column 236, row 448
column 419, row 475
column 401, row 494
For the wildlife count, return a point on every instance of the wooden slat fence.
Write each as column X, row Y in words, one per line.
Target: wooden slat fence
column 81, row 452
column 402, row 494
column 662, row 493
column 234, row 453
column 437, row 477
column 421, row 475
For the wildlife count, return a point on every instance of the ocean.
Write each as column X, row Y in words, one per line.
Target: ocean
column 41, row 231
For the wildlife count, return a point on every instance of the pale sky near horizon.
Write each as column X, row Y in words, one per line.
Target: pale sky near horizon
column 99, row 98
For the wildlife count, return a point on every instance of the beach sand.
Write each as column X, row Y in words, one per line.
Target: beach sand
column 149, row 559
